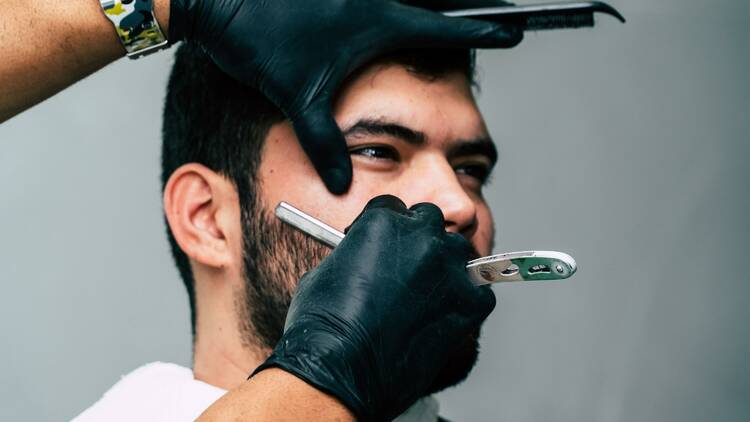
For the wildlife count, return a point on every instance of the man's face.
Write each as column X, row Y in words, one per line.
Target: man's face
column 422, row 140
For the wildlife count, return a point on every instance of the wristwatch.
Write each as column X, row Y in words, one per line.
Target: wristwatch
column 136, row 26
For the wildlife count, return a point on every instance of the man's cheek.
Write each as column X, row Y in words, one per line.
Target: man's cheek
column 345, row 209
column 484, row 237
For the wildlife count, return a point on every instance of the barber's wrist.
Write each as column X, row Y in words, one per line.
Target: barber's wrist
column 162, row 15
column 308, row 403
column 277, row 395
column 325, row 361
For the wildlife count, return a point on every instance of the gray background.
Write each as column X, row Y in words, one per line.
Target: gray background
column 625, row 146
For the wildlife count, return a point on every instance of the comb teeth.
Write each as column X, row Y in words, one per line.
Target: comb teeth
column 559, row 21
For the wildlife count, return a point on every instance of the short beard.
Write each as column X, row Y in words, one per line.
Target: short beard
column 276, row 256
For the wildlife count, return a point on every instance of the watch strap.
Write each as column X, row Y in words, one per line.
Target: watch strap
column 136, row 26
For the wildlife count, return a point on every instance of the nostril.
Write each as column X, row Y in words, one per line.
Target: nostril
column 466, row 230
column 458, row 206
column 461, row 217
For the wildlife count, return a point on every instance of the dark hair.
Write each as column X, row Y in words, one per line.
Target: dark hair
column 211, row 119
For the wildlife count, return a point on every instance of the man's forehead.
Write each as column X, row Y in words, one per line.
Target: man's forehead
column 441, row 108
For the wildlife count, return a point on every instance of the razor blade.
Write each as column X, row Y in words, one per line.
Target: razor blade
column 504, row 267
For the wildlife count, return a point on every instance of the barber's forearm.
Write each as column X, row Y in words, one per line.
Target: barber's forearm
column 47, row 46
column 276, row 395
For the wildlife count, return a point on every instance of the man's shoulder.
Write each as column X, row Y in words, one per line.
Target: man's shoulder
column 156, row 391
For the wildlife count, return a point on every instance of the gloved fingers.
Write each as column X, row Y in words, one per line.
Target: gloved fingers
column 475, row 303
column 438, row 31
column 431, row 214
column 390, row 202
column 485, row 302
column 322, row 141
column 459, row 247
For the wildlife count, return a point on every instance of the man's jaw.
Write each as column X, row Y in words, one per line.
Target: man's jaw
column 297, row 254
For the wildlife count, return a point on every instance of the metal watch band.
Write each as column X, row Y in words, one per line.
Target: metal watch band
column 136, row 26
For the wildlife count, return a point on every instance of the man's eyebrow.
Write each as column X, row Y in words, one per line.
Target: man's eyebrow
column 383, row 127
column 478, row 146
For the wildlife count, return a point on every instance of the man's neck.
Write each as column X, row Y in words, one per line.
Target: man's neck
column 224, row 364
column 223, row 356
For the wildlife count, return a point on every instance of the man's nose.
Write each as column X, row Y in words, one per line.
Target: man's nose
column 442, row 187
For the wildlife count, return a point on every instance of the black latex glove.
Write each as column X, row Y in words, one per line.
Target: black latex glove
column 297, row 53
column 377, row 320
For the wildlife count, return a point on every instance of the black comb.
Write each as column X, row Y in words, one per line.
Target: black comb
column 537, row 17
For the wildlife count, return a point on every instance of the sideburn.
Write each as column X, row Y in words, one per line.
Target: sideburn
column 275, row 257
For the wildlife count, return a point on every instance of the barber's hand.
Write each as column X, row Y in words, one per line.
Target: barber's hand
column 374, row 324
column 298, row 52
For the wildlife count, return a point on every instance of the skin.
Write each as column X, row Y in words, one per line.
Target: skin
column 47, row 46
column 203, row 211
column 443, row 110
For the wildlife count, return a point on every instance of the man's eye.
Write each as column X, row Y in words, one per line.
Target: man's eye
column 377, row 152
column 481, row 172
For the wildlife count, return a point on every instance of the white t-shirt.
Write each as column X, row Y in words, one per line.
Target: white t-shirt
column 167, row 392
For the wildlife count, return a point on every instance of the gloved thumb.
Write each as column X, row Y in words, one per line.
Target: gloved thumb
column 322, row 141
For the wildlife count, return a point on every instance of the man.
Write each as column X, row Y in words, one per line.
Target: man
column 412, row 129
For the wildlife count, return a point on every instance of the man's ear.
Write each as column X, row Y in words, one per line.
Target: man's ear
column 198, row 204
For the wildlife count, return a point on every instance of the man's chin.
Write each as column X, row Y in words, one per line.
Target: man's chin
column 459, row 365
